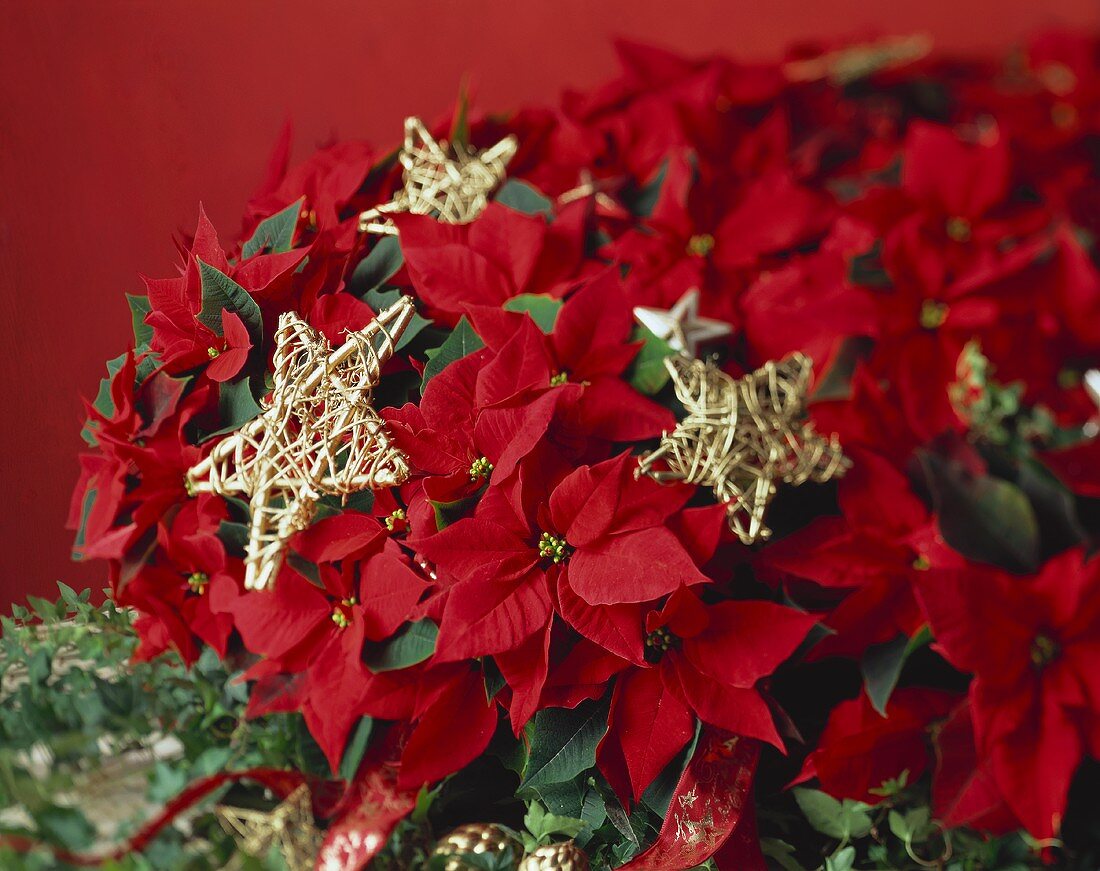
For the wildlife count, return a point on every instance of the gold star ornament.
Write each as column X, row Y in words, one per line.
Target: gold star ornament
column 741, row 437
column 289, row 826
column 317, row 435
column 450, row 181
column 681, row 325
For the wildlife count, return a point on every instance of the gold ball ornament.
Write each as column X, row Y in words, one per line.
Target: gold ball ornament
column 477, row 838
column 565, row 856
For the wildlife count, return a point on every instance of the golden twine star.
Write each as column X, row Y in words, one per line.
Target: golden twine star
column 853, row 62
column 452, row 182
column 317, row 435
column 289, row 826
column 742, row 436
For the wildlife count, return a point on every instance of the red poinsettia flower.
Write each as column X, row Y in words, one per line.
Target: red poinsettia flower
column 180, row 339
column 599, row 532
column 230, row 357
column 501, row 254
column 478, row 418
column 881, row 545
column 710, row 233
column 707, row 662
column 300, row 628
column 861, row 749
column 589, row 345
column 964, row 790
column 1035, row 659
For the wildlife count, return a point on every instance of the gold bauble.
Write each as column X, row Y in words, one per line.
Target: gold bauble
column 475, row 838
column 565, row 856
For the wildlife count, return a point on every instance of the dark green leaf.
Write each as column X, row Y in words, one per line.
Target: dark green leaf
column 983, row 518
column 81, row 530
column 139, row 308
column 447, row 513
column 219, row 292
column 234, row 536
column 380, row 300
column 881, row 667
column 413, row 645
column 103, row 402
column 356, row 747
column 378, row 267
column 643, row 201
column 542, row 309
column 563, row 744
column 275, row 234
column 462, row 341
column 236, row 405
column 522, row 197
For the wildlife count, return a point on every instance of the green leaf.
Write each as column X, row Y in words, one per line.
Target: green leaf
column 82, row 527
column 66, row 826
column 543, row 309
column 378, row 267
column 644, row 201
column 881, row 667
column 522, row 197
column 842, row 860
column 447, row 513
column 564, row 744
column 462, row 341
column 380, row 300
column 103, row 402
column 219, row 292
column 413, row 645
column 275, row 234
column 236, row 405
column 234, row 536
column 842, row 820
column 984, row 518
column 139, row 308
column 913, row 825
column 781, row 853
column 543, row 825
column 647, row 371
column 356, row 747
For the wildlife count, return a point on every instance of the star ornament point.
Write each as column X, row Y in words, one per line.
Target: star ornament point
column 317, row 435
column 681, row 325
column 451, row 181
column 289, row 826
column 742, row 437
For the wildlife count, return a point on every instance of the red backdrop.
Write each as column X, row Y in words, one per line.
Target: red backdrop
column 116, row 118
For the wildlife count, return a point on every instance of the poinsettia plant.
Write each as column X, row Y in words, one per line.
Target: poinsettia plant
column 904, row 675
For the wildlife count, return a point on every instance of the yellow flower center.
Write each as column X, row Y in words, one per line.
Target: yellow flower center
column 700, row 245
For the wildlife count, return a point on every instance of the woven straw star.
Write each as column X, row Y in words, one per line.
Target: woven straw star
column 318, row 435
column 452, row 182
column 742, row 436
column 288, row 825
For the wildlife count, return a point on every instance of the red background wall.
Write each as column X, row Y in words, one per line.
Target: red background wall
column 116, row 118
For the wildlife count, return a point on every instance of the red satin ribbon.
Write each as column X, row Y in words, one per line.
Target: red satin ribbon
column 711, row 811
column 369, row 810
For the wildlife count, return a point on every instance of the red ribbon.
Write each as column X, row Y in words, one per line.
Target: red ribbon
column 368, row 812
column 711, row 811
column 277, row 780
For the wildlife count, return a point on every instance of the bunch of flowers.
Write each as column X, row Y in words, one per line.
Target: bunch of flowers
column 923, row 633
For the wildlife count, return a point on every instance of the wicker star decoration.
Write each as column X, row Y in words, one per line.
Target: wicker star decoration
column 741, row 437
column 452, row 182
column 317, row 435
column 289, row 826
